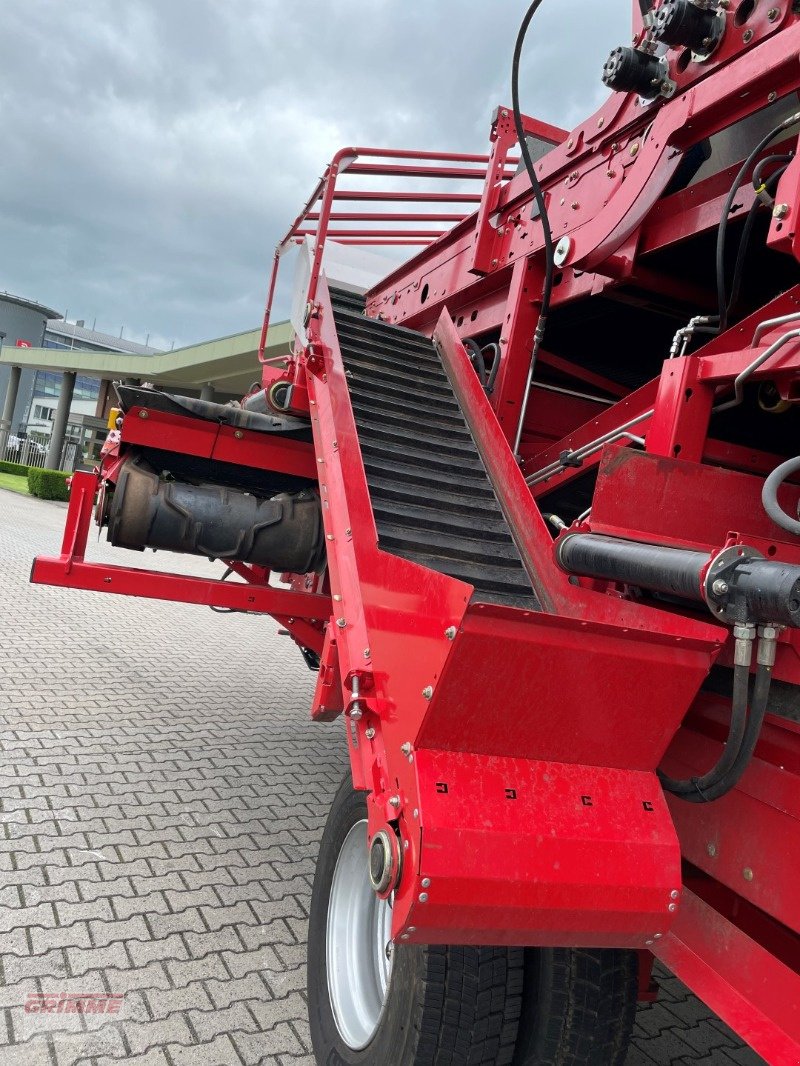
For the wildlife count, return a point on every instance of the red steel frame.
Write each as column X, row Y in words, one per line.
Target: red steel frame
column 413, row 663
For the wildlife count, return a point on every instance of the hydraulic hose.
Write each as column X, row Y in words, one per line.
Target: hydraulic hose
column 700, row 786
column 736, row 758
column 538, row 194
column 769, row 496
column 722, row 297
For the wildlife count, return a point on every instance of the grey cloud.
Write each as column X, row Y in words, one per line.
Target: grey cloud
column 154, row 150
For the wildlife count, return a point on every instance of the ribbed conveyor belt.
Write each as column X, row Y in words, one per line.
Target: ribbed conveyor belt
column 432, row 499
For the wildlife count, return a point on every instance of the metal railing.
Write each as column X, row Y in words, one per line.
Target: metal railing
column 24, row 450
column 372, row 219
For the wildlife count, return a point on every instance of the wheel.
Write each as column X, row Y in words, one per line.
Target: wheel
column 371, row 1005
column 578, row 1007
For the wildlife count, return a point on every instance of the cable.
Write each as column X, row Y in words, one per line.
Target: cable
column 769, row 496
column 549, row 244
column 768, row 160
column 693, row 787
column 752, row 214
column 722, row 298
column 752, row 733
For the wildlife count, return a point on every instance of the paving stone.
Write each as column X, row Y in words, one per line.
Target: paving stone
column 161, row 803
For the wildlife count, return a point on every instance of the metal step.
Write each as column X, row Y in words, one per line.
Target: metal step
column 431, row 496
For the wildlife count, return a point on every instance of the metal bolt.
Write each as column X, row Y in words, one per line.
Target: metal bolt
column 406, row 748
column 404, row 936
column 504, row 113
column 394, row 801
column 648, row 942
column 238, row 434
column 657, row 936
column 337, row 598
column 329, row 536
column 673, row 906
column 347, row 532
column 562, row 252
column 388, row 949
column 674, row 894
column 747, row 36
column 450, row 632
column 601, row 122
column 773, row 96
column 341, row 622
column 423, row 897
column 144, row 414
column 720, row 587
column 355, row 713
column 370, row 733
column 780, row 211
column 773, row 13
column 574, row 205
column 712, row 850
column 367, row 653
column 747, row 873
column 426, row 882
column 501, row 231
column 416, row 812
column 412, row 929
column 427, row 692
column 634, row 148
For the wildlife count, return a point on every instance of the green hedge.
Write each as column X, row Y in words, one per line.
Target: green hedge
column 18, row 469
column 48, row 484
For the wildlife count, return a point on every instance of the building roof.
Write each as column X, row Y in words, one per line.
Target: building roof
column 229, row 363
column 31, row 305
column 71, row 331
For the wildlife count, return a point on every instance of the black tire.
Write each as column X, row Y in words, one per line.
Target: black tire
column 446, row 1006
column 578, row 1008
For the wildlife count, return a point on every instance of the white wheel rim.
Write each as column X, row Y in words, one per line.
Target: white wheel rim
column 359, row 931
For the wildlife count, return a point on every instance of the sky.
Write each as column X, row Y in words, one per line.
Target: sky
column 154, row 151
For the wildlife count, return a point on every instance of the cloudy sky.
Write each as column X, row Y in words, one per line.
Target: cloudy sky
column 153, row 151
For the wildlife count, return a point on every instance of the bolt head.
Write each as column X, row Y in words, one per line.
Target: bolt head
column 673, row 907
column 367, row 653
column 747, row 874
column 423, row 897
column 426, row 882
column 394, row 801
column 370, row 733
column 238, row 434
column 341, row 622
column 450, row 632
column 427, row 692
column 144, row 414
column 780, row 211
column 711, row 849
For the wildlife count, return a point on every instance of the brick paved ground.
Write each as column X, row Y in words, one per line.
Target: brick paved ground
column 162, row 795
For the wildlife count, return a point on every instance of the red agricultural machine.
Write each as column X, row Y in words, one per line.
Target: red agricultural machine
column 529, row 507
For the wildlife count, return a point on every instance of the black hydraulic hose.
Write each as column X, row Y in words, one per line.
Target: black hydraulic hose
column 722, row 297
column 758, row 712
column 699, row 786
column 747, row 231
column 477, row 361
column 538, row 194
column 769, row 496
column 758, row 181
